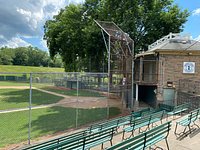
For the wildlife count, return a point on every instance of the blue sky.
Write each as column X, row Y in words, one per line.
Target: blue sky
column 21, row 21
column 192, row 25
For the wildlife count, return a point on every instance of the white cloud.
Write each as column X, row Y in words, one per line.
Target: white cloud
column 196, row 12
column 26, row 18
column 76, row 1
column 15, row 42
column 197, row 38
column 44, row 43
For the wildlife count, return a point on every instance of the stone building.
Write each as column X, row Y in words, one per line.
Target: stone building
column 158, row 70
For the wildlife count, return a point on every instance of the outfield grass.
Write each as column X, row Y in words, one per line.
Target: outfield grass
column 73, row 92
column 22, row 69
column 19, row 98
column 13, row 83
column 14, row 126
column 20, row 83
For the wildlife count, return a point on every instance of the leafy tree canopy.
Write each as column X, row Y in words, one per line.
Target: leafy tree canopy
column 74, row 35
column 28, row 56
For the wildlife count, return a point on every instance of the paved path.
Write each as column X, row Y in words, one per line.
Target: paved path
column 24, row 109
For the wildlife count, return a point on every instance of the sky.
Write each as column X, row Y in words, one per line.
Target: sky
column 22, row 21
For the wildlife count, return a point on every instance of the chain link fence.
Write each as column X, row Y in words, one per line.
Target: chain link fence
column 189, row 92
column 34, row 106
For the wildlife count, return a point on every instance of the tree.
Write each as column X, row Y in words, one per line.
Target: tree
column 27, row 56
column 73, row 34
column 6, row 56
column 21, row 56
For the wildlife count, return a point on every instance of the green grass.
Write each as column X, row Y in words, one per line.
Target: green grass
column 16, row 98
column 13, row 83
column 20, row 83
column 14, row 126
column 21, row 69
column 73, row 92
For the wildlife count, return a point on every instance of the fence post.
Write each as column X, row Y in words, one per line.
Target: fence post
column 30, row 105
column 77, row 86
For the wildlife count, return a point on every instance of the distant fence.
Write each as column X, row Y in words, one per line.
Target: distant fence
column 34, row 105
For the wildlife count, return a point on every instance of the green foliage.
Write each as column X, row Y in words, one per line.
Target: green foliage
column 73, row 37
column 73, row 34
column 27, row 56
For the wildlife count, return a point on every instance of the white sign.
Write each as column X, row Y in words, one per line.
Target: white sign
column 188, row 67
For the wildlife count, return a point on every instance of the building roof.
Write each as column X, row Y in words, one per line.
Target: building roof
column 178, row 44
column 172, row 42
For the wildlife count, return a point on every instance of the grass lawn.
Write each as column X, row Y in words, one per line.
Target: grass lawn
column 73, row 92
column 19, row 98
column 20, row 83
column 14, row 126
column 13, row 83
column 22, row 69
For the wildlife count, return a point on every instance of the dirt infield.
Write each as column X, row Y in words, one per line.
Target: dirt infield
column 77, row 102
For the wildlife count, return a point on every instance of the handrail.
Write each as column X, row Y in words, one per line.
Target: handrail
column 163, row 40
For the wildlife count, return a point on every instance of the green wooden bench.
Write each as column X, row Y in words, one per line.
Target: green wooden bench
column 139, row 113
column 81, row 142
column 188, row 121
column 45, row 145
column 147, row 120
column 146, row 139
column 165, row 107
column 137, row 123
column 178, row 109
column 157, row 116
column 116, row 122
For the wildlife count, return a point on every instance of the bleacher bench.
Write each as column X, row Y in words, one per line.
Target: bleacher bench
column 77, row 141
column 146, row 139
column 147, row 120
column 165, row 107
column 178, row 109
column 188, row 121
column 116, row 122
column 45, row 145
column 140, row 112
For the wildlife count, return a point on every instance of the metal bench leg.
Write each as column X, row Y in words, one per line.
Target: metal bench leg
column 102, row 146
column 132, row 134
column 185, row 130
column 196, row 125
column 175, row 128
column 189, row 129
column 111, row 142
column 167, row 143
column 123, row 135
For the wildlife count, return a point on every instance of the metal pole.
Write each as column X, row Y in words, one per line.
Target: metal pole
column 132, row 95
column 108, row 77
column 30, row 105
column 77, row 102
column 104, row 39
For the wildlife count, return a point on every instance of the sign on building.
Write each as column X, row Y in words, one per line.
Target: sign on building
column 188, row 67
